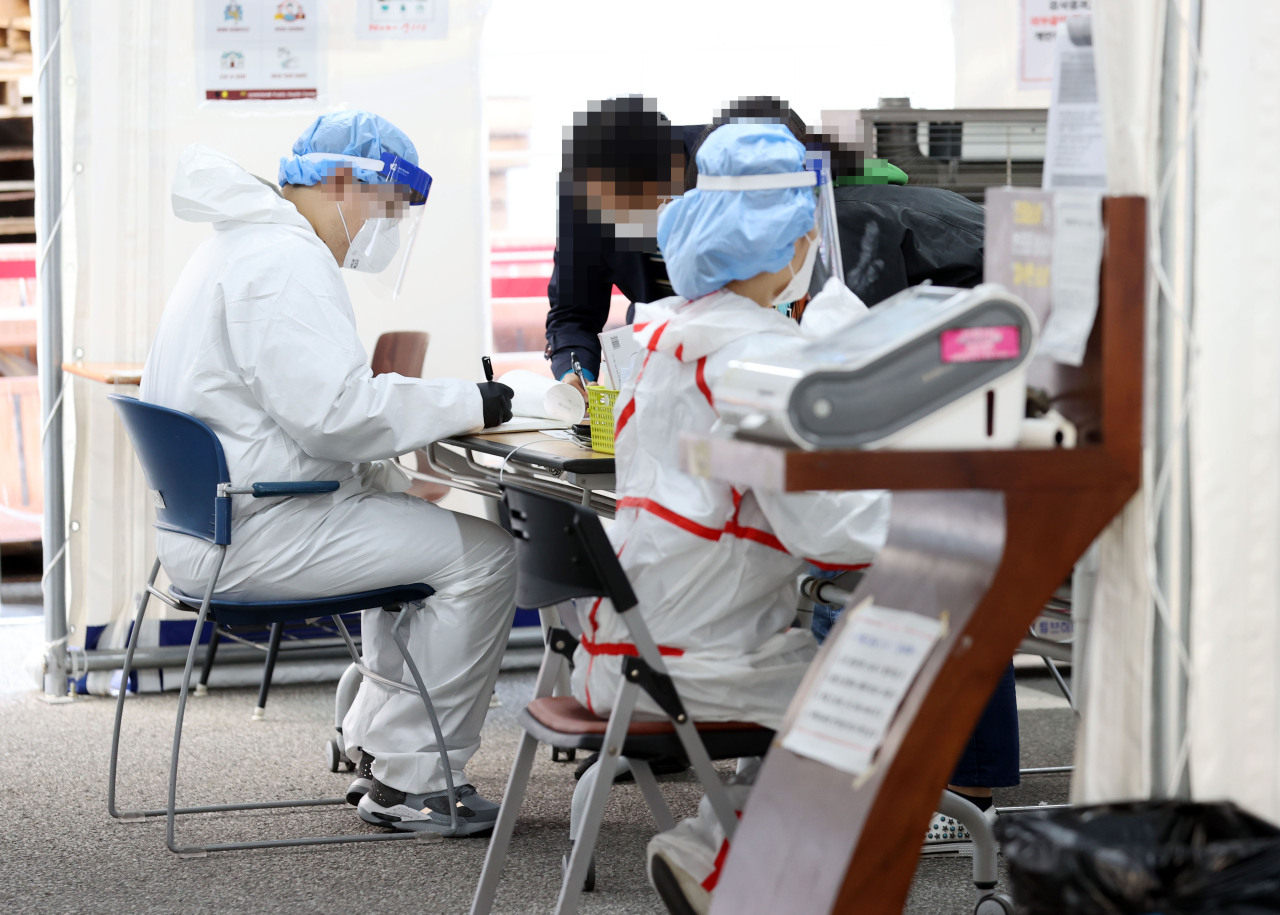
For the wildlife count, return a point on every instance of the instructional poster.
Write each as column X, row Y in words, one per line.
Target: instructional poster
column 1038, row 22
column 262, row 50
column 855, row 695
column 403, row 19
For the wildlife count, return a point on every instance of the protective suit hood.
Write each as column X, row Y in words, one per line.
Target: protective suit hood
column 689, row 330
column 209, row 186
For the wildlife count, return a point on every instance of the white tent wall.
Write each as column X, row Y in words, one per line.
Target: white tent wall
column 131, row 103
column 1113, row 679
column 1235, row 421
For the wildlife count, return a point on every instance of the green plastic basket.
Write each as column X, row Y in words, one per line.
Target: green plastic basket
column 600, row 403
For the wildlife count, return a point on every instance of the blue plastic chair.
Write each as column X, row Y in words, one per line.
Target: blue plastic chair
column 190, row 486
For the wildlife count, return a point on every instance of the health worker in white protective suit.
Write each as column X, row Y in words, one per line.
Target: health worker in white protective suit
column 258, row 339
column 715, row 568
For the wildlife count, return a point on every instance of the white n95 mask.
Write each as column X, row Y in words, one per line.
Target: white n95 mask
column 798, row 287
column 374, row 246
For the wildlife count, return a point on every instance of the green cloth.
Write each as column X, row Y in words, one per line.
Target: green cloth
column 875, row 171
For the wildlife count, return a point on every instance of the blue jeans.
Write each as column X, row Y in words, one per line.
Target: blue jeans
column 991, row 758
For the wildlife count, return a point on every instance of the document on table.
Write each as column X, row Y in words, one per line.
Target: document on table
column 853, row 697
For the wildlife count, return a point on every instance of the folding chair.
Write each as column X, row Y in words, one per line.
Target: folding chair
column 561, row 553
column 190, row 485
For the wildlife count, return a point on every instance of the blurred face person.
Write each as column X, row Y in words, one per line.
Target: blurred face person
column 622, row 161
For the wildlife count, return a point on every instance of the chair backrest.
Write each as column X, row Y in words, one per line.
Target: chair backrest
column 400, row 351
column 183, row 462
column 562, row 552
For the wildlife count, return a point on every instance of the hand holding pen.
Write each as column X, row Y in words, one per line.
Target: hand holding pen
column 495, row 397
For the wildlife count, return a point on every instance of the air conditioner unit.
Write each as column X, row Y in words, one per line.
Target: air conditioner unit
column 965, row 150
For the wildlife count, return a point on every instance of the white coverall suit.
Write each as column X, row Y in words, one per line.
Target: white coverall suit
column 258, row 340
column 714, row 567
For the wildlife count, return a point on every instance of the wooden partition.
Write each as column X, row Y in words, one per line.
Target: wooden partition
column 983, row 536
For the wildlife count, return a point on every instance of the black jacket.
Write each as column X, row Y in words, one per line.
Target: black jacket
column 895, row 236
column 588, row 263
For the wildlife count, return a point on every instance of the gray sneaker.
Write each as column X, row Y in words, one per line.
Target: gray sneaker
column 362, row 784
column 385, row 806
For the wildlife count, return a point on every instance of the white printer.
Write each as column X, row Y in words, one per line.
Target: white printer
column 929, row 368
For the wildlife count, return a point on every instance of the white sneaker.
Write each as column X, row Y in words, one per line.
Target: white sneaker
column 947, row 835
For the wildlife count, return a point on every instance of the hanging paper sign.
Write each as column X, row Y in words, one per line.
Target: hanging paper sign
column 1037, row 30
column 1075, row 152
column 260, row 50
column 402, row 19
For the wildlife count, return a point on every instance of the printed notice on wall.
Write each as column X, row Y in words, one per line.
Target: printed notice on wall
column 1038, row 22
column 1075, row 151
column 260, row 50
column 854, row 696
column 403, row 19
column 1077, row 261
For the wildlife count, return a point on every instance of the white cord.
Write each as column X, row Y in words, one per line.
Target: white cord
column 510, row 454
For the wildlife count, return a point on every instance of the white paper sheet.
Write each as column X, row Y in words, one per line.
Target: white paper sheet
column 618, row 349
column 1077, row 260
column 1038, row 21
column 1075, row 154
column 524, row 424
column 403, row 20
column 871, row 664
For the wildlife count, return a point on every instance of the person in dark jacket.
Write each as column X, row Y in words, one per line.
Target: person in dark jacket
column 622, row 159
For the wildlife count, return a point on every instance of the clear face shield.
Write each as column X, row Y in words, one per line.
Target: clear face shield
column 829, row 263
column 381, row 219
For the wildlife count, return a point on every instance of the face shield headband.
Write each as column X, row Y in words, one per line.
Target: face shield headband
column 377, row 247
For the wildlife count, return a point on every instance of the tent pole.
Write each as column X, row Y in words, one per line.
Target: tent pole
column 48, row 168
column 1173, row 546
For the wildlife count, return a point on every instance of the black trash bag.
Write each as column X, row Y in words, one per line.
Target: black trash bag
column 1165, row 857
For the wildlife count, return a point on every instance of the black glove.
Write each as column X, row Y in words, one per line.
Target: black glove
column 497, row 402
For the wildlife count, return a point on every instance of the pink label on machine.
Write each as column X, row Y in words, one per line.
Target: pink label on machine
column 981, row 344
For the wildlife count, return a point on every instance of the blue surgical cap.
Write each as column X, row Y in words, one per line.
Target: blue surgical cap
column 352, row 133
column 711, row 237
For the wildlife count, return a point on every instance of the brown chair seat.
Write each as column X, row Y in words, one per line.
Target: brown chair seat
column 563, row 721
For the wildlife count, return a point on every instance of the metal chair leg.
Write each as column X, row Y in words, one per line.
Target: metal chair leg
column 495, row 858
column 652, row 794
column 435, row 722
column 584, row 847
column 984, row 840
column 182, row 708
column 1062, row 684
column 124, row 689
column 582, row 790
column 211, row 651
column 268, row 670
